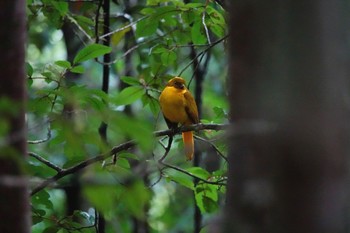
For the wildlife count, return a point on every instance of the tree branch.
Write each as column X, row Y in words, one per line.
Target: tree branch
column 127, row 145
column 45, row 161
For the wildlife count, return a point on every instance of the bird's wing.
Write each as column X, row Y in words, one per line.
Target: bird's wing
column 191, row 108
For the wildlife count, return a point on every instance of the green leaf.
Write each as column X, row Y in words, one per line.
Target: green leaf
column 42, row 198
column 182, row 179
column 122, row 162
column 219, row 112
column 206, row 196
column 118, row 36
column 136, row 197
column 216, row 16
column 137, row 129
column 36, row 219
column 217, row 30
column 61, row 7
column 101, row 196
column 51, row 229
column 148, row 11
column 128, row 155
column 168, row 57
column 64, row 64
column 196, row 33
column 129, row 95
column 154, row 106
column 38, row 212
column 198, row 171
column 130, row 80
column 146, row 27
column 90, row 52
column 78, row 69
column 29, row 69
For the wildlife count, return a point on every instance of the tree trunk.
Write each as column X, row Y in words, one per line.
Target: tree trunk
column 288, row 84
column 14, row 195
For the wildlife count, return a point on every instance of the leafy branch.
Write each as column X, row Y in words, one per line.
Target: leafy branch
column 62, row 172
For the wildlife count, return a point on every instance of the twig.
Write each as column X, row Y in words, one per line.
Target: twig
column 167, row 149
column 213, row 146
column 79, row 27
column 202, row 52
column 123, row 28
column 81, row 165
column 45, row 161
column 48, row 137
column 205, row 26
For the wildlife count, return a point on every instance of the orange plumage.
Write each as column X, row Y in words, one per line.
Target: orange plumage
column 179, row 107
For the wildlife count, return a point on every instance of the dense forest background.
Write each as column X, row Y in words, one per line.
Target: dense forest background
column 83, row 145
column 95, row 70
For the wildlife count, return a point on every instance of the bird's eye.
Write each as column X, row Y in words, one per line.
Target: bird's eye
column 179, row 85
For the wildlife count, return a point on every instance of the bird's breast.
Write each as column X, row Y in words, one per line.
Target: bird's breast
column 173, row 104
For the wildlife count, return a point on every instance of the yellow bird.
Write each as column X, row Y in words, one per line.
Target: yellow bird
column 179, row 107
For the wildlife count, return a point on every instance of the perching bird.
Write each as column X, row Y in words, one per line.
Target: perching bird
column 179, row 107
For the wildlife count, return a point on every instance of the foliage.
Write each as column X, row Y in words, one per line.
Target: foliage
column 150, row 41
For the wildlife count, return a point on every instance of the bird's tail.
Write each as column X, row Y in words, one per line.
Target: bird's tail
column 187, row 138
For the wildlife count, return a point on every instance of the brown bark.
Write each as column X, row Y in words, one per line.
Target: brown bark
column 14, row 195
column 288, row 72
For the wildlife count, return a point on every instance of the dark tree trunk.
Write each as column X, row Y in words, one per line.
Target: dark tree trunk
column 14, row 195
column 288, row 69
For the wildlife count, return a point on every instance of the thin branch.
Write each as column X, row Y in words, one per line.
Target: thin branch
column 48, row 137
column 81, row 165
column 72, row 20
column 202, row 52
column 213, row 146
column 167, row 149
column 204, row 24
column 123, row 28
column 45, row 161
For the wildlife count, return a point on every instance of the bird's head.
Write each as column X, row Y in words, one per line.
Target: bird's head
column 177, row 82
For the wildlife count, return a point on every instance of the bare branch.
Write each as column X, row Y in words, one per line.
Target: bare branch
column 45, row 161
